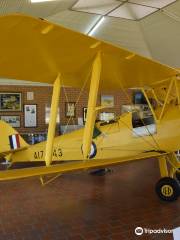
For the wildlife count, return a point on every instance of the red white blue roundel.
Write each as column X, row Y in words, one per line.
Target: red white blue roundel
column 93, row 150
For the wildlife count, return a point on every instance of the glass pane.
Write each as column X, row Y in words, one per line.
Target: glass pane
column 132, row 11
column 96, row 6
column 153, row 3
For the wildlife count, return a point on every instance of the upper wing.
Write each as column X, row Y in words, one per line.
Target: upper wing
column 36, row 50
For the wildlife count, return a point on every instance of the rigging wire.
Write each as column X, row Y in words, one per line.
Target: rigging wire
column 78, row 98
column 138, row 135
column 66, row 96
column 130, row 101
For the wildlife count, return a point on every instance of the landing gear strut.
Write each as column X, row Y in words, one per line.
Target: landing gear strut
column 178, row 175
column 168, row 187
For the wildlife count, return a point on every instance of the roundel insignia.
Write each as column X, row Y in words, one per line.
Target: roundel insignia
column 93, row 150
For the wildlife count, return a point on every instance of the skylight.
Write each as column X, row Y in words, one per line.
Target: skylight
column 128, row 9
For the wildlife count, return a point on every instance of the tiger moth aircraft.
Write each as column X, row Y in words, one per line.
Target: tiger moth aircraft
column 36, row 50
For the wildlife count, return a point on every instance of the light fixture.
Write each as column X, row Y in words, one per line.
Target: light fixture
column 36, row 1
column 96, row 26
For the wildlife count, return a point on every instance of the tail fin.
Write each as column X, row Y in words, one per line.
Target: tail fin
column 10, row 140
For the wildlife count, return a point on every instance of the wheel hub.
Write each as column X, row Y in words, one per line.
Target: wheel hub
column 167, row 190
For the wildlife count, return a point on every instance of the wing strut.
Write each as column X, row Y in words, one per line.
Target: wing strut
column 91, row 111
column 52, row 120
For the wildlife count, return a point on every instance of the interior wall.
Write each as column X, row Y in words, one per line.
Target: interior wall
column 42, row 97
column 162, row 34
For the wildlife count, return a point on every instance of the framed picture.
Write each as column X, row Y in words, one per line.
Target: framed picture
column 14, row 121
column 84, row 114
column 30, row 115
column 106, row 116
column 70, row 109
column 30, row 96
column 47, row 114
column 107, row 100
column 10, row 102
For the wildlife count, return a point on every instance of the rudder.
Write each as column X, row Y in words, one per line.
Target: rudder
column 10, row 139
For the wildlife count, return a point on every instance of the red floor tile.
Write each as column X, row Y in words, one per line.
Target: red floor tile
column 80, row 206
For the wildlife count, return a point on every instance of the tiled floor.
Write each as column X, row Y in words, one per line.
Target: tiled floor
column 81, row 206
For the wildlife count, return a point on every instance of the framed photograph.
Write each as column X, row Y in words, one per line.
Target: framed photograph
column 106, row 116
column 14, row 121
column 30, row 115
column 84, row 114
column 107, row 100
column 30, row 96
column 70, row 109
column 10, row 102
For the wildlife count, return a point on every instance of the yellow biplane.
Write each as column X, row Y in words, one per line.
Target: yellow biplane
column 36, row 50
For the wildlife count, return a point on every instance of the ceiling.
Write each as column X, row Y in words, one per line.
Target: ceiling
column 127, row 9
column 38, row 9
column 148, row 27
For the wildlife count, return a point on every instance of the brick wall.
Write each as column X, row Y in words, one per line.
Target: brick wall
column 42, row 96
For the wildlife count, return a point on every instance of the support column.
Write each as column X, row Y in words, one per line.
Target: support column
column 91, row 111
column 52, row 120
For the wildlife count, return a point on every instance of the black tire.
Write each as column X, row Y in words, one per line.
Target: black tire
column 178, row 175
column 168, row 189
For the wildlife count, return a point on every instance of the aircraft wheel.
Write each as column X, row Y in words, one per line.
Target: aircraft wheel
column 178, row 175
column 168, row 189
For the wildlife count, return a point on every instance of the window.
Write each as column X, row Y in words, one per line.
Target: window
column 138, row 98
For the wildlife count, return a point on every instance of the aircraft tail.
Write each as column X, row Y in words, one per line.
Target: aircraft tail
column 10, row 139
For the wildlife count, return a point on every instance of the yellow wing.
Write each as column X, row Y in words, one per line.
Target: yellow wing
column 36, row 50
